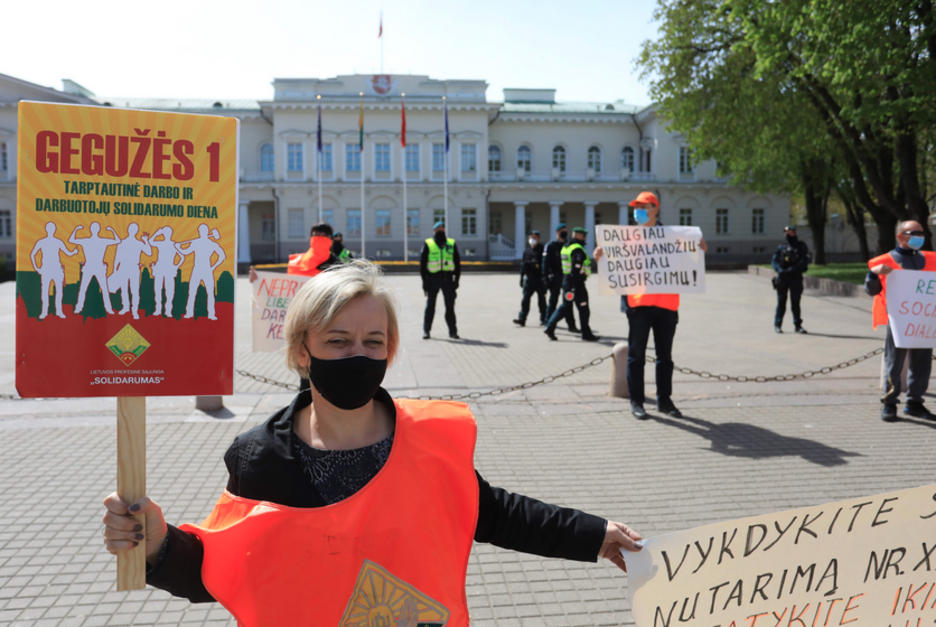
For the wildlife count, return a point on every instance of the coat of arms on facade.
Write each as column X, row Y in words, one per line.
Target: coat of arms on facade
column 381, row 599
column 382, row 84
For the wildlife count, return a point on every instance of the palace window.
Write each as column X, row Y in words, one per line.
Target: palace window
column 524, row 158
column 268, row 227
column 469, row 222
column 494, row 159
column 381, row 157
column 294, row 157
column 438, row 157
column 757, row 221
column 6, row 224
column 353, row 157
column 627, row 159
column 354, row 224
column 594, row 159
column 296, row 223
column 685, row 160
column 469, row 158
column 266, row 158
column 326, row 157
column 685, row 217
column 412, row 158
column 559, row 158
column 383, row 222
column 721, row 221
column 412, row 222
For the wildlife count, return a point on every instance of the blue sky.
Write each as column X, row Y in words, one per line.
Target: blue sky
column 233, row 49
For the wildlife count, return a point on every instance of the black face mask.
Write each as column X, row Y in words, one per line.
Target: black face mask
column 349, row 382
column 440, row 238
column 563, row 235
column 791, row 238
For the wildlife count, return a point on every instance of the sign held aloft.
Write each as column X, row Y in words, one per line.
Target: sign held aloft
column 272, row 293
column 866, row 562
column 650, row 260
column 911, row 308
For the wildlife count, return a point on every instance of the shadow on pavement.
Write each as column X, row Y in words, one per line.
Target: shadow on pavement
column 474, row 342
column 736, row 439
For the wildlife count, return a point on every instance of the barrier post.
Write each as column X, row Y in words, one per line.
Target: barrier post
column 209, row 403
column 619, row 371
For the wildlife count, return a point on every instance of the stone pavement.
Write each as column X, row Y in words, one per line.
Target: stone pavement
column 743, row 448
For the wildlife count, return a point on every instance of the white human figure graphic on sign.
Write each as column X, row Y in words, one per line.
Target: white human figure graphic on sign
column 94, row 248
column 165, row 269
column 52, row 270
column 203, row 271
column 126, row 274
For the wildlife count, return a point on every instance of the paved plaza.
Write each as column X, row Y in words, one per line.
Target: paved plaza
column 741, row 449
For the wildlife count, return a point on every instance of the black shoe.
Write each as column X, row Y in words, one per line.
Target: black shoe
column 639, row 412
column 778, row 329
column 574, row 330
column 591, row 337
column 669, row 409
column 889, row 413
column 918, row 410
column 801, row 330
column 454, row 336
column 522, row 323
column 425, row 335
column 551, row 335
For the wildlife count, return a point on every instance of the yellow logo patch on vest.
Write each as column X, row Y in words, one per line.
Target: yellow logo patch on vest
column 127, row 345
column 381, row 599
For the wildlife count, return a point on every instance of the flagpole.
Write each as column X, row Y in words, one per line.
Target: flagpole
column 403, row 163
column 363, row 212
column 445, row 166
column 319, row 146
column 381, row 42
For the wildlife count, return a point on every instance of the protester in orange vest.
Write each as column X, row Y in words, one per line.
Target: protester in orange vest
column 907, row 256
column 349, row 507
column 646, row 312
column 319, row 257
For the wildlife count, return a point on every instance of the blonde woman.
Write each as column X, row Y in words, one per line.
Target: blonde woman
column 349, row 507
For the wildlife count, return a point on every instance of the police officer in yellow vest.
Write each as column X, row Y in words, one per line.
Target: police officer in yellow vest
column 576, row 268
column 440, row 267
column 338, row 249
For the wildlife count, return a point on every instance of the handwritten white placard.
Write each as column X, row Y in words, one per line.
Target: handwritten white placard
column 650, row 260
column 866, row 562
column 272, row 293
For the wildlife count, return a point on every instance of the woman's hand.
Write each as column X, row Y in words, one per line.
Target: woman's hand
column 122, row 532
column 598, row 253
column 618, row 536
column 703, row 245
column 881, row 269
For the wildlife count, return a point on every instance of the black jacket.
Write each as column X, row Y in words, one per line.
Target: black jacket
column 532, row 264
column 261, row 467
column 552, row 259
column 790, row 259
column 424, row 264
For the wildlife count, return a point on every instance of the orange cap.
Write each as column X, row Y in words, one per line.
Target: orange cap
column 649, row 197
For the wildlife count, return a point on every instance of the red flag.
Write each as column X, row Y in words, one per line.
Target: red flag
column 380, row 33
column 403, row 122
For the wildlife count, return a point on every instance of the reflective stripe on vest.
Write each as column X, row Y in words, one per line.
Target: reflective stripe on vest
column 566, row 256
column 879, row 307
column 441, row 259
column 396, row 552
column 307, row 263
column 663, row 301
column 345, row 255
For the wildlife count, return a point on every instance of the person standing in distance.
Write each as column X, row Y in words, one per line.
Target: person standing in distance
column 790, row 261
column 646, row 312
column 576, row 268
column 531, row 280
column 907, row 256
column 552, row 269
column 338, row 249
column 440, row 267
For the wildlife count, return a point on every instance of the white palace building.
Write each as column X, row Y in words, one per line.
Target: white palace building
column 528, row 162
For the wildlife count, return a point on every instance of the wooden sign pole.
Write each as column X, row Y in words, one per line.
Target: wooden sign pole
column 131, row 483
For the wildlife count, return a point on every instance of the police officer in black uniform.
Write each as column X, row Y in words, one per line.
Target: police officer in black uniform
column 790, row 261
column 552, row 272
column 531, row 280
column 576, row 268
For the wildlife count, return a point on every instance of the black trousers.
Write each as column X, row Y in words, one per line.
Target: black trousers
column 574, row 294
column 642, row 320
column 794, row 284
column 555, row 289
column 533, row 285
column 441, row 281
column 918, row 372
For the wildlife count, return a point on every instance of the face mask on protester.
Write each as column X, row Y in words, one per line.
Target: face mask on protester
column 563, row 235
column 642, row 216
column 440, row 238
column 916, row 242
column 349, row 382
column 532, row 242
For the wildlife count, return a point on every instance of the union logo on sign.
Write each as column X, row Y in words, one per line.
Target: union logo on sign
column 381, row 84
column 127, row 345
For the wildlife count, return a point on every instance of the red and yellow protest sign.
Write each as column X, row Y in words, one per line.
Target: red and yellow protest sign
column 125, row 252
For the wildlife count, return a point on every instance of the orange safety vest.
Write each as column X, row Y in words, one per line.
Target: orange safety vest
column 665, row 301
column 879, row 307
column 397, row 550
column 307, row 263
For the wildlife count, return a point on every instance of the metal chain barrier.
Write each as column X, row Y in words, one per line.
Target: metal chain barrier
column 808, row 374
